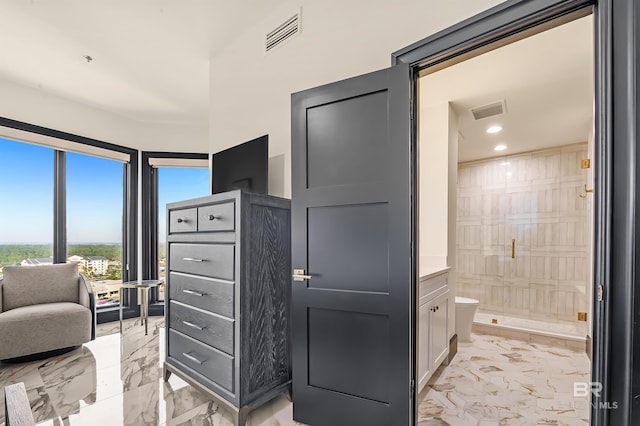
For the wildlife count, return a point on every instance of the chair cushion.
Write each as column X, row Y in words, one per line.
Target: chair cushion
column 46, row 327
column 32, row 285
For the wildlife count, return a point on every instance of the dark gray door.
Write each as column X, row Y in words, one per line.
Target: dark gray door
column 351, row 230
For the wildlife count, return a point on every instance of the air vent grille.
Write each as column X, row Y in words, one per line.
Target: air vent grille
column 489, row 110
column 284, row 32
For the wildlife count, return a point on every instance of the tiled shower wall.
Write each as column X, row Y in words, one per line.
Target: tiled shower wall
column 534, row 199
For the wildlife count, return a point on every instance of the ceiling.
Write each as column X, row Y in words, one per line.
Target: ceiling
column 150, row 63
column 546, row 81
column 150, row 58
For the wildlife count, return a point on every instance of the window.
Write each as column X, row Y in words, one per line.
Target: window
column 176, row 184
column 58, row 187
column 94, row 223
column 167, row 177
column 26, row 200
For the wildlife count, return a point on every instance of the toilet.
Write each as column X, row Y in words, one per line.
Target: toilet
column 465, row 310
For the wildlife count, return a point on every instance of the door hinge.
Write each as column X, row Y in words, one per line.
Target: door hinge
column 413, row 388
column 600, row 292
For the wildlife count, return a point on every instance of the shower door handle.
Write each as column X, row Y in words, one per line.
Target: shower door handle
column 513, row 248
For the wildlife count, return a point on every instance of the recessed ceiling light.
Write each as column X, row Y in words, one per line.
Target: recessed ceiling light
column 494, row 129
column 500, row 148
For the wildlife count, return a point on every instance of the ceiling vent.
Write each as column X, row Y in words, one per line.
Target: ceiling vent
column 489, row 110
column 284, row 32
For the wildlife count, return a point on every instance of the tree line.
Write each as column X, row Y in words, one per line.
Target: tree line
column 13, row 254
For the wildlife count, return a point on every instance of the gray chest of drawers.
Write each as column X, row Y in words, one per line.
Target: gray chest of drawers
column 227, row 306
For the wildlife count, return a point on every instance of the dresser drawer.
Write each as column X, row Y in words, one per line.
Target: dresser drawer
column 212, row 364
column 185, row 220
column 211, row 329
column 205, row 293
column 211, row 260
column 218, row 217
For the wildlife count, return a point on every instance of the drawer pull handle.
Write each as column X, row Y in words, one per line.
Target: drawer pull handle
column 212, row 217
column 193, row 259
column 180, row 220
column 192, row 358
column 195, row 293
column 192, row 325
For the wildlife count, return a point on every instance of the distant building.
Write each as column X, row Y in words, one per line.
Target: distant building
column 37, row 261
column 97, row 265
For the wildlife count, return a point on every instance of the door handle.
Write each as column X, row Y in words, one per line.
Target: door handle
column 513, row 248
column 298, row 275
column 193, row 259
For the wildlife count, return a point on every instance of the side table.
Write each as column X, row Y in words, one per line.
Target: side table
column 145, row 286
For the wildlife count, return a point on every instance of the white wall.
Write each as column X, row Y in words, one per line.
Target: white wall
column 250, row 91
column 438, row 162
column 433, row 169
column 34, row 106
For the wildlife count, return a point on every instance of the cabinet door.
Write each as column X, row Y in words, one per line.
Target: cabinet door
column 439, row 330
column 424, row 369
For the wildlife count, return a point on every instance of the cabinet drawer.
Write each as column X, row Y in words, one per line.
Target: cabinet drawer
column 185, row 220
column 212, row 364
column 218, row 217
column 205, row 293
column 208, row 328
column 211, row 260
column 432, row 286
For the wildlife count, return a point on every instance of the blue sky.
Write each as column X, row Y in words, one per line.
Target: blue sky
column 94, row 195
column 26, row 193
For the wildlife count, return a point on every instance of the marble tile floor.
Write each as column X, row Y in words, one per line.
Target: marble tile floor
column 498, row 381
column 117, row 380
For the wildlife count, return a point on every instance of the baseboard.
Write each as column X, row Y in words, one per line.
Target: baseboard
column 588, row 349
column 453, row 348
column 156, row 309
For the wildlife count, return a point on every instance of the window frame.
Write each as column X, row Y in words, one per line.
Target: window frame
column 129, row 206
column 150, row 218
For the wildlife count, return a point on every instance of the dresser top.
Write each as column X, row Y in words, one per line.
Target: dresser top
column 222, row 197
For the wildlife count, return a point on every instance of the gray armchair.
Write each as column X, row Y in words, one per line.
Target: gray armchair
column 44, row 309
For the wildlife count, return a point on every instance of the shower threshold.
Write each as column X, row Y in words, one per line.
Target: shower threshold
column 531, row 330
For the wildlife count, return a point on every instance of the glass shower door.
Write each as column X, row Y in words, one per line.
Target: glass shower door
column 517, row 242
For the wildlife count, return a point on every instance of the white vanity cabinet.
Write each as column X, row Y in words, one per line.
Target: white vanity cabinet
column 433, row 327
